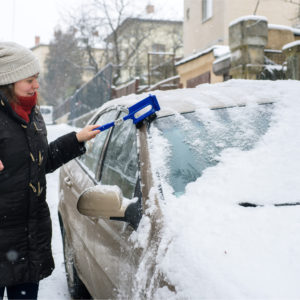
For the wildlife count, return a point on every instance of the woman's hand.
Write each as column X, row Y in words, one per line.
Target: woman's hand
column 1, row 166
column 87, row 133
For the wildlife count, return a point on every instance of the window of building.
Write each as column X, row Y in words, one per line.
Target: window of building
column 158, row 48
column 188, row 14
column 158, row 55
column 207, row 9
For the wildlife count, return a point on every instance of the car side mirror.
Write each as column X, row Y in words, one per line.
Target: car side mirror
column 105, row 201
column 101, row 201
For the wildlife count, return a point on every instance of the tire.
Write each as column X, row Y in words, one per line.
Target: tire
column 76, row 287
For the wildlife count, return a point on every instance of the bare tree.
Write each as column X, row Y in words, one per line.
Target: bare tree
column 103, row 22
column 111, row 24
column 86, row 26
column 64, row 67
column 114, row 14
column 115, row 19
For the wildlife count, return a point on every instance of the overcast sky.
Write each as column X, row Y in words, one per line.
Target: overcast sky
column 22, row 20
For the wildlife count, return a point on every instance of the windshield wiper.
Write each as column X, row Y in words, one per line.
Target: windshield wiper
column 248, row 204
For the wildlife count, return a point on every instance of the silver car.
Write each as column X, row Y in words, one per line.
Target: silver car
column 112, row 198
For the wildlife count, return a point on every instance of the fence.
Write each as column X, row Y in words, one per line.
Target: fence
column 167, row 84
column 78, row 108
column 129, row 88
column 90, row 96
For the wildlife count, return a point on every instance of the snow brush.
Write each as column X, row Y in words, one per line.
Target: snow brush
column 132, row 110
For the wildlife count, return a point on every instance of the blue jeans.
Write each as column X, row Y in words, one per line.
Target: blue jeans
column 20, row 291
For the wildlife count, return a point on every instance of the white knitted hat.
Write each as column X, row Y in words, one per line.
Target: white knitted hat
column 16, row 63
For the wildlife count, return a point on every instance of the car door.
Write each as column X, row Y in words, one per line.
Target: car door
column 75, row 177
column 113, row 253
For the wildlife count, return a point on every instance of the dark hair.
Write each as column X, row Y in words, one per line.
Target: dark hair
column 9, row 93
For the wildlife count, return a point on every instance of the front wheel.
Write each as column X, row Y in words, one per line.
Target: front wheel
column 76, row 287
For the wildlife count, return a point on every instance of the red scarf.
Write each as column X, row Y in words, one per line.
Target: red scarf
column 24, row 106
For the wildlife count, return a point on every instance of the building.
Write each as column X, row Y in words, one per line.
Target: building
column 41, row 51
column 206, row 22
column 99, row 56
column 207, row 55
column 146, row 47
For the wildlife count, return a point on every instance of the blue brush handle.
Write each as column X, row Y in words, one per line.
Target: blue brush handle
column 106, row 126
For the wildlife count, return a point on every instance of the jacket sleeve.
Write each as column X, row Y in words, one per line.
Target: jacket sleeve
column 63, row 150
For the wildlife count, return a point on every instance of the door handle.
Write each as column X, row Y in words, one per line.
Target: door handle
column 68, row 181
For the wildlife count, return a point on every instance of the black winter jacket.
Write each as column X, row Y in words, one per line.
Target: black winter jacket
column 25, row 225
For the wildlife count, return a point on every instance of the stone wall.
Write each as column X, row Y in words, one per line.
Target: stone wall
column 256, row 47
column 292, row 53
column 248, row 37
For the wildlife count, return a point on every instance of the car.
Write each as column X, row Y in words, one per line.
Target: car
column 199, row 200
column 47, row 113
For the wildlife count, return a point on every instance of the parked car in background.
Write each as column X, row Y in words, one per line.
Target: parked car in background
column 200, row 201
column 47, row 112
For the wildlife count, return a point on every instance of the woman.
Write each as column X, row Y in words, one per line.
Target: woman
column 25, row 158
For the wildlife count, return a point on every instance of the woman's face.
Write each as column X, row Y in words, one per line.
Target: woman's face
column 27, row 87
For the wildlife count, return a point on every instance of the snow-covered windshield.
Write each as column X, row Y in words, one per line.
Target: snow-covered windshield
column 193, row 141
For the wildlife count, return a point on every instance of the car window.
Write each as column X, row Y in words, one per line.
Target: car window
column 94, row 146
column 195, row 140
column 120, row 164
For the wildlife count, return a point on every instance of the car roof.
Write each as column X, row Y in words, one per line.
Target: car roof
column 209, row 96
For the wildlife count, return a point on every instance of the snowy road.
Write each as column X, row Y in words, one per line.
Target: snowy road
column 55, row 286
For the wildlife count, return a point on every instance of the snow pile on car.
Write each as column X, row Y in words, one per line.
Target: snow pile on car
column 211, row 247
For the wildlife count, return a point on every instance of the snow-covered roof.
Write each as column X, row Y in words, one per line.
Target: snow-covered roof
column 162, row 10
column 247, row 18
column 296, row 31
column 222, row 58
column 280, row 27
column 139, row 20
column 218, row 51
column 292, row 44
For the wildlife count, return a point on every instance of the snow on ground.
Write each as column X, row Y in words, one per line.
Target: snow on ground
column 55, row 286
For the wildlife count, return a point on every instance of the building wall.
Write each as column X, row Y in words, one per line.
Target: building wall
column 164, row 33
column 41, row 51
column 278, row 37
column 199, row 35
column 195, row 68
column 99, row 56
